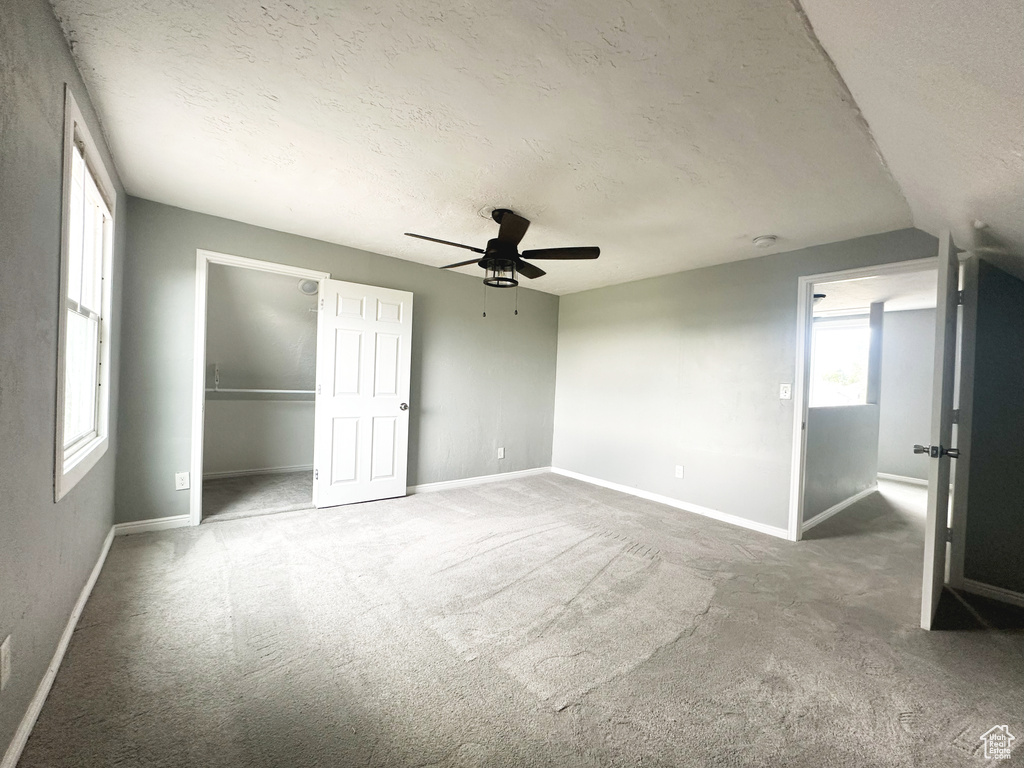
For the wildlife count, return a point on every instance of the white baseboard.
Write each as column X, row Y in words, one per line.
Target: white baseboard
column 724, row 517
column 902, row 479
column 837, row 508
column 14, row 749
column 996, row 593
column 446, row 485
column 153, row 524
column 247, row 472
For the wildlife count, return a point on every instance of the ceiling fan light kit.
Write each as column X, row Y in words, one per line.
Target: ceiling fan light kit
column 500, row 273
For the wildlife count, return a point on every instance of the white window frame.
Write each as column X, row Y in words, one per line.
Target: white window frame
column 858, row 320
column 72, row 465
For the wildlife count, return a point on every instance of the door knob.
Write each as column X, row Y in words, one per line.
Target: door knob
column 404, row 406
column 937, row 451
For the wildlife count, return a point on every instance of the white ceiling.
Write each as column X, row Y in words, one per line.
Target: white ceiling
column 899, row 292
column 669, row 134
column 941, row 84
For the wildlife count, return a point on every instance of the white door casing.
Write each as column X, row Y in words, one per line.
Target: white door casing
column 941, row 429
column 203, row 260
column 361, row 432
column 801, row 389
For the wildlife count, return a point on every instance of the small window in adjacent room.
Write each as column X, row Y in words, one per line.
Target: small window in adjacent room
column 839, row 361
column 87, row 224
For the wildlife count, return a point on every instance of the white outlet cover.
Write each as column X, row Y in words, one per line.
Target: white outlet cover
column 785, row 391
column 5, row 662
column 679, row 471
column 181, row 481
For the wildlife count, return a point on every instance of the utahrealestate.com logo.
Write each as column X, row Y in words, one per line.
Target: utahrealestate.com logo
column 997, row 742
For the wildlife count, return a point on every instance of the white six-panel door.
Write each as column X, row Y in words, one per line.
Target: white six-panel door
column 361, row 433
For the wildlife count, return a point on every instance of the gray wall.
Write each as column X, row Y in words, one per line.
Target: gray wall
column 842, row 455
column 241, row 435
column 477, row 383
column 685, row 369
column 260, row 330
column 908, row 359
column 48, row 549
column 261, row 333
column 995, row 487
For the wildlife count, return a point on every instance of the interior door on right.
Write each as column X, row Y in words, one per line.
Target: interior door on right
column 937, row 520
column 988, row 530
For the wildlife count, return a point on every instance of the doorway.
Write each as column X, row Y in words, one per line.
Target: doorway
column 850, row 421
column 253, row 387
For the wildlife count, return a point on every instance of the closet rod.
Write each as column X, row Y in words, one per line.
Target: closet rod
column 265, row 391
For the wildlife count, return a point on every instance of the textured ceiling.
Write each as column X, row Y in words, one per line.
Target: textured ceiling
column 669, row 134
column 941, row 83
column 902, row 291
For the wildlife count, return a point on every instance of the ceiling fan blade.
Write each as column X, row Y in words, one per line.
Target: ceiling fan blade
column 528, row 270
column 446, row 242
column 512, row 228
column 460, row 264
column 563, row 253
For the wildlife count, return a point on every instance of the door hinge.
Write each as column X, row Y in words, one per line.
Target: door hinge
column 316, row 474
column 321, row 303
column 949, row 535
column 956, row 415
column 959, row 297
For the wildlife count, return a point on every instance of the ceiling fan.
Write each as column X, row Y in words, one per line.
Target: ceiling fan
column 501, row 259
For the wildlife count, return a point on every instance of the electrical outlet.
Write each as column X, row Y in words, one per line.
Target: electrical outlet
column 5, row 662
column 785, row 391
column 501, row 453
column 181, row 481
column 679, row 471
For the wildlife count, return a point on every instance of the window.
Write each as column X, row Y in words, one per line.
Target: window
column 87, row 224
column 839, row 361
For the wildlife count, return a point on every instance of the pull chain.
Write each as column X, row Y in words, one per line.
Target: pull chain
column 485, row 300
column 517, row 299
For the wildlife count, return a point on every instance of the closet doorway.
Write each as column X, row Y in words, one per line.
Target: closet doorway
column 253, row 429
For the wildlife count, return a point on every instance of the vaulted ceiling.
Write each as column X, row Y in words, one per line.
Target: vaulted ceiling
column 941, row 83
column 670, row 134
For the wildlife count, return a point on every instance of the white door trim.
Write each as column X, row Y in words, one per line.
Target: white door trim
column 801, row 380
column 204, row 259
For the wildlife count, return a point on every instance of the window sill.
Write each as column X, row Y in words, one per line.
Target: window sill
column 69, row 472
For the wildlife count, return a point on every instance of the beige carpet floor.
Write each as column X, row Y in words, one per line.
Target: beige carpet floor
column 534, row 622
column 228, row 498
